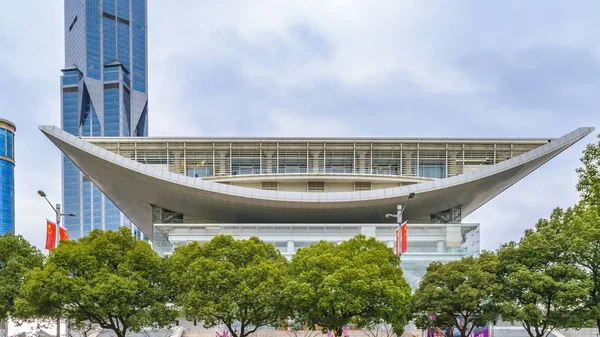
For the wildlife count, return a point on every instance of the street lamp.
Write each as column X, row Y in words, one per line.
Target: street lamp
column 56, row 211
column 59, row 215
column 401, row 209
column 398, row 216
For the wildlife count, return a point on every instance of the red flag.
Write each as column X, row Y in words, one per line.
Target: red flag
column 50, row 235
column 404, row 237
column 64, row 234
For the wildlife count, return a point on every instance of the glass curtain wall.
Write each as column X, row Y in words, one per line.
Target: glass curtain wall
column 7, row 182
column 105, row 55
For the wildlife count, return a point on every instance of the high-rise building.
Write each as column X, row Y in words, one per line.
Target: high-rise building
column 7, row 177
column 104, row 94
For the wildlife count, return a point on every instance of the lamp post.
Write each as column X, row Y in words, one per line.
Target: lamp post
column 401, row 209
column 59, row 215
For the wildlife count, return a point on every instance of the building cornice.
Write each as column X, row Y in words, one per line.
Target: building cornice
column 8, row 125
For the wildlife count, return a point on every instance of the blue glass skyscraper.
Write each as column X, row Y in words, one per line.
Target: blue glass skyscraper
column 103, row 94
column 7, row 177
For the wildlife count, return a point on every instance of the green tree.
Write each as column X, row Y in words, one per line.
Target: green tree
column 583, row 231
column 458, row 294
column 233, row 282
column 589, row 174
column 358, row 281
column 17, row 257
column 542, row 288
column 107, row 278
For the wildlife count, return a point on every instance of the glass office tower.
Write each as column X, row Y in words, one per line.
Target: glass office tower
column 7, row 177
column 103, row 94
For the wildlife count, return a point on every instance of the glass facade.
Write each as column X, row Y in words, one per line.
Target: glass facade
column 103, row 94
column 7, row 178
column 407, row 158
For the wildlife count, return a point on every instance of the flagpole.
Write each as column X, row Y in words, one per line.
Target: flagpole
column 58, row 217
column 57, row 210
column 398, row 216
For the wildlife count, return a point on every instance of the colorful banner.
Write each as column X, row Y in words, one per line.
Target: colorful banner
column 404, row 228
column 481, row 332
column 64, row 234
column 50, row 235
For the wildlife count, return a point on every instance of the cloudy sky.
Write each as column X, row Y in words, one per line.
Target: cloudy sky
column 332, row 68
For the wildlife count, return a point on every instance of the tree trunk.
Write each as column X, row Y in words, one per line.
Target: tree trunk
column 57, row 326
column 119, row 332
column 231, row 331
column 338, row 332
column 598, row 324
column 4, row 326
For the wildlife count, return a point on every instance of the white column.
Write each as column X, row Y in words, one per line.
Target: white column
column 453, row 236
column 440, row 246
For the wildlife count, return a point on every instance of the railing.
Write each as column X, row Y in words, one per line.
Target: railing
column 403, row 158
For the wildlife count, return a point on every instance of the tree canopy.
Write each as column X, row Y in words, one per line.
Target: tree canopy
column 108, row 278
column 458, row 294
column 589, row 174
column 541, row 287
column 583, row 230
column 233, row 282
column 357, row 281
column 17, row 257
column 583, row 241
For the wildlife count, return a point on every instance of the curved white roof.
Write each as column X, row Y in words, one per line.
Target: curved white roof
column 134, row 187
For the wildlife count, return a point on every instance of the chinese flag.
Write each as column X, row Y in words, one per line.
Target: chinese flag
column 64, row 235
column 50, row 235
column 404, row 237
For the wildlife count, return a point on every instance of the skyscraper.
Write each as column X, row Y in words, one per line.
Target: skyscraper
column 103, row 94
column 7, row 177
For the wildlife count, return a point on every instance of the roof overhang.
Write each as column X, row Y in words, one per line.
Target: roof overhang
column 134, row 187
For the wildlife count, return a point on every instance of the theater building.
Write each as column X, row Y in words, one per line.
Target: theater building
column 293, row 192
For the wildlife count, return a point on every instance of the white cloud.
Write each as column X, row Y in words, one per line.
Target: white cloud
column 301, row 67
column 368, row 41
column 31, row 56
column 290, row 124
